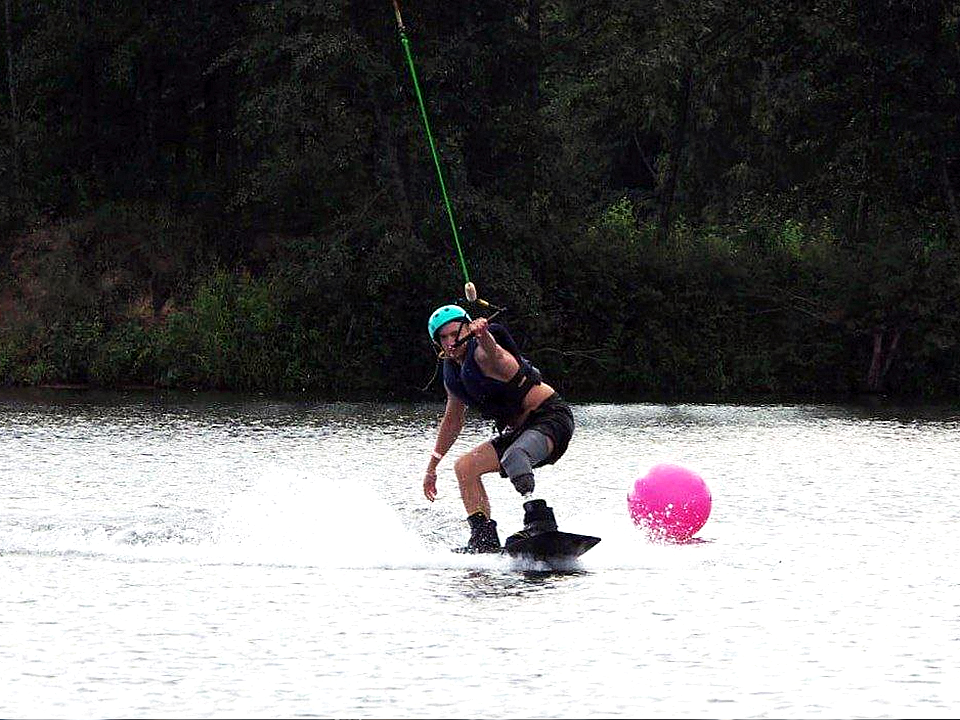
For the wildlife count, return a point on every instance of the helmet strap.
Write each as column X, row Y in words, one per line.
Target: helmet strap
column 441, row 354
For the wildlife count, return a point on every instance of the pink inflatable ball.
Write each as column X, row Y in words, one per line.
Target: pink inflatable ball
column 670, row 502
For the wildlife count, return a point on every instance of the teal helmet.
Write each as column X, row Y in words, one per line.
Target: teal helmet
column 442, row 315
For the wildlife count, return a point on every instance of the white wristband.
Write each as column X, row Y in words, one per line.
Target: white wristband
column 437, row 455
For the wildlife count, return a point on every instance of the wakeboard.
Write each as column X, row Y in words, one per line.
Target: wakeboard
column 554, row 546
column 547, row 546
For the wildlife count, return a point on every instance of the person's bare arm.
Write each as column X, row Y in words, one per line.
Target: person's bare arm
column 447, row 434
column 493, row 359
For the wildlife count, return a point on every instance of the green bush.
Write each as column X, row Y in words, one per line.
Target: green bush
column 126, row 355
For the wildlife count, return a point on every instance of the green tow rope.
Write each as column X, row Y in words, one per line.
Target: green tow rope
column 469, row 290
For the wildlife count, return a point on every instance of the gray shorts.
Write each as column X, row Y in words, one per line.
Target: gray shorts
column 553, row 418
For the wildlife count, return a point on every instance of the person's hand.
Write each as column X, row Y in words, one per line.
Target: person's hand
column 430, row 486
column 479, row 326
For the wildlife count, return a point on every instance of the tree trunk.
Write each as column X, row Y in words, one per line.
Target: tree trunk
column 87, row 122
column 678, row 141
column 951, row 198
column 12, row 88
column 533, row 32
column 882, row 356
column 533, row 95
column 210, row 132
column 858, row 216
column 391, row 160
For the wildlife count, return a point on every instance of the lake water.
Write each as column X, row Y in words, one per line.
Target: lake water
column 220, row 556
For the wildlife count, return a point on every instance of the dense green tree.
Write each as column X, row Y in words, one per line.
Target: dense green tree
column 700, row 198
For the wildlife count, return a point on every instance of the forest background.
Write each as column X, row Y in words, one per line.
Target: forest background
column 707, row 199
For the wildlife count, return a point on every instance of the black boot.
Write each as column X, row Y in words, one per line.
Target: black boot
column 483, row 534
column 537, row 518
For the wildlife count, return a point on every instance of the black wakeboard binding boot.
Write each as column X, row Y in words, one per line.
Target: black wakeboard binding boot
column 483, row 535
column 537, row 518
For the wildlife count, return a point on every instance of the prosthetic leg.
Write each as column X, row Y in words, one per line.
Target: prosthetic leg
column 530, row 449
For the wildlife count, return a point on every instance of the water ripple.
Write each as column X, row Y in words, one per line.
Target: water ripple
column 211, row 555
